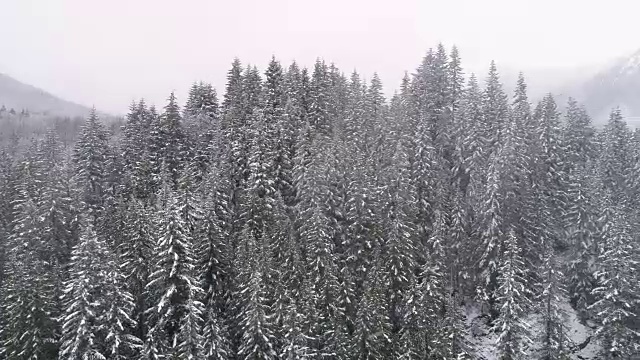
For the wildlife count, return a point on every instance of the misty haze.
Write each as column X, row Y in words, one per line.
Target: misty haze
column 357, row 180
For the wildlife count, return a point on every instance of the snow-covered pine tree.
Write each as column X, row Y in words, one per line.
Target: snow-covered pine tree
column 399, row 248
column 233, row 94
column 495, row 109
column 581, row 219
column 232, row 123
column 378, row 151
column 189, row 202
column 203, row 127
column 322, row 272
column 372, row 336
column 550, row 175
column 29, row 304
column 215, row 336
column 245, row 125
column 214, row 265
column 89, row 157
column 56, row 207
column 423, row 335
column 171, row 138
column 136, row 254
column 6, row 194
column 438, row 101
column 318, row 113
column 97, row 322
column 521, row 203
column 578, row 135
column 615, row 158
column 135, row 149
column 294, row 340
column 456, row 83
column 117, row 321
column 616, row 294
column 279, row 130
column 513, row 304
column 491, row 231
column 255, row 320
column 155, row 155
column 554, row 341
column 458, row 345
column 175, row 315
column 469, row 146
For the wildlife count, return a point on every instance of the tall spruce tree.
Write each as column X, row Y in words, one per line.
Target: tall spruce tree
column 90, row 156
column 175, row 315
column 513, row 304
column 97, row 322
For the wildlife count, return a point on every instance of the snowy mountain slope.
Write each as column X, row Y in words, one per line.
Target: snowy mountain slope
column 17, row 95
column 615, row 86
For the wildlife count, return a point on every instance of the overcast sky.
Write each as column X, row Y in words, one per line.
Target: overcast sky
column 110, row 52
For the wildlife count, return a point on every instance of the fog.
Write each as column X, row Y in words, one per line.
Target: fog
column 108, row 53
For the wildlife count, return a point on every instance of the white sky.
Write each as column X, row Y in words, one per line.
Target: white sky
column 110, row 52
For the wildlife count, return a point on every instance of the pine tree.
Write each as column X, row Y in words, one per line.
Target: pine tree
column 492, row 234
column 400, row 244
column 470, row 137
column 136, row 253
column 176, row 312
column 294, row 338
column 578, row 135
column 377, row 151
column 155, row 153
column 316, row 233
column 214, row 252
column 279, row 131
column 521, row 203
column 233, row 125
column 319, row 99
column 550, row 164
column 135, row 149
column 616, row 294
column 371, row 339
column 90, row 154
column 581, row 220
column 555, row 342
column 29, row 295
column 58, row 211
column 203, row 126
column 215, row 336
column 615, row 157
column 513, row 304
column 458, row 346
column 96, row 323
column 6, row 194
column 423, row 335
column 495, row 108
column 255, row 319
column 173, row 148
column 119, row 325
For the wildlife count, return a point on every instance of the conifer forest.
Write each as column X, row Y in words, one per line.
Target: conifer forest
column 305, row 214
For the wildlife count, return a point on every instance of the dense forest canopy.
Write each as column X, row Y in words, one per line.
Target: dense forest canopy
column 306, row 216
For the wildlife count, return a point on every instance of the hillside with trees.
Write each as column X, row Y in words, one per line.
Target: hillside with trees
column 304, row 215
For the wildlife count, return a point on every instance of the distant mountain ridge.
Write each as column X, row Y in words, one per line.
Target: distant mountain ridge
column 17, row 95
column 616, row 86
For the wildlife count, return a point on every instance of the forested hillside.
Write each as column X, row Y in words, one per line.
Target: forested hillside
column 20, row 97
column 306, row 216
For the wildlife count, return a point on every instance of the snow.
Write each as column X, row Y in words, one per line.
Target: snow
column 579, row 333
column 632, row 64
column 480, row 334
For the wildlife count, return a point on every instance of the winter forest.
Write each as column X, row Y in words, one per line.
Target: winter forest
column 303, row 215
